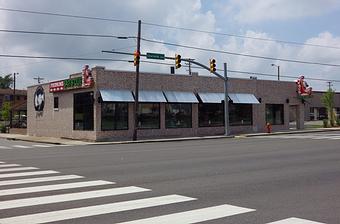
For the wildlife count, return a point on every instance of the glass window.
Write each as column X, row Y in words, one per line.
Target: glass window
column 149, row 115
column 114, row 116
column 178, row 115
column 275, row 114
column 240, row 114
column 56, row 103
column 83, row 111
column 210, row 114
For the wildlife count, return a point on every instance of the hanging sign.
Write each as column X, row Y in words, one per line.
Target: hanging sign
column 302, row 87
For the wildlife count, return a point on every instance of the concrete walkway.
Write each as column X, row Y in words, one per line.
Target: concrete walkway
column 62, row 141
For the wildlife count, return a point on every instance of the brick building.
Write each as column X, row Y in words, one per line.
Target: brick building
column 170, row 106
column 18, row 105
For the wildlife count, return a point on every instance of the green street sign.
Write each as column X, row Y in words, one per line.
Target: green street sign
column 155, row 56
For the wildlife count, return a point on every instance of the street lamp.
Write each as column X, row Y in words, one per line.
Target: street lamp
column 278, row 71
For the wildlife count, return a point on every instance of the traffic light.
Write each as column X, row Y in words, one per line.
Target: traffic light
column 212, row 65
column 178, row 61
column 136, row 57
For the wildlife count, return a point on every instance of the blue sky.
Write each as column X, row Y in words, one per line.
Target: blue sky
column 304, row 21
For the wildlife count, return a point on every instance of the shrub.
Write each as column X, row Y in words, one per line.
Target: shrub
column 325, row 123
column 2, row 128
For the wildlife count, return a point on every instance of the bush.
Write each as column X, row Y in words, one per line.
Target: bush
column 325, row 123
column 338, row 121
column 2, row 128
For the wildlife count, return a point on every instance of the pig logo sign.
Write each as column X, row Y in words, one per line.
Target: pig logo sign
column 87, row 76
column 302, row 87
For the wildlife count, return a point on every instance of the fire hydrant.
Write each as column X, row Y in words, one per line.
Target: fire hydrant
column 269, row 127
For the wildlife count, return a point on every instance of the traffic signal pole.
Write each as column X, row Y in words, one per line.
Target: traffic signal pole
column 135, row 128
column 223, row 77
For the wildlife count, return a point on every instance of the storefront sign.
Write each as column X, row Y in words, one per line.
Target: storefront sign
column 85, row 81
column 39, row 99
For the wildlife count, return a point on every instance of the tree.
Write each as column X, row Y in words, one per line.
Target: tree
column 328, row 101
column 6, row 111
column 6, row 81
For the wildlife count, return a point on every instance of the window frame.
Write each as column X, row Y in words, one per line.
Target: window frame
column 274, row 116
column 139, row 114
column 180, row 104
column 83, row 105
column 115, row 114
column 200, row 105
column 231, row 105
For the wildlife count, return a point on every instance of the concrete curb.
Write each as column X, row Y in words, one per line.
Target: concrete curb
column 57, row 141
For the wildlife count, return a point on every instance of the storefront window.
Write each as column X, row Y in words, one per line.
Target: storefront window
column 178, row 115
column 114, row 116
column 210, row 114
column 83, row 111
column 240, row 114
column 274, row 114
column 149, row 115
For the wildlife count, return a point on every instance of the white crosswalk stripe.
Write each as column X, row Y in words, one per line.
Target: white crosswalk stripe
column 25, row 174
column 67, row 214
column 186, row 217
column 4, row 147
column 194, row 216
column 38, row 179
column 69, row 197
column 53, row 187
column 31, row 146
column 295, row 221
column 314, row 136
column 17, row 169
column 8, row 165
column 22, row 146
column 43, row 146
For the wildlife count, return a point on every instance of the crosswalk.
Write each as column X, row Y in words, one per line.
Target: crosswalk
column 14, row 179
column 29, row 146
column 313, row 136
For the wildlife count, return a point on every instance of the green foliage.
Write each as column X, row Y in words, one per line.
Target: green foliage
column 328, row 101
column 325, row 123
column 6, row 111
column 2, row 128
column 6, row 81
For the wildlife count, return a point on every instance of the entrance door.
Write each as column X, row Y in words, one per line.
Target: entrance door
column 293, row 116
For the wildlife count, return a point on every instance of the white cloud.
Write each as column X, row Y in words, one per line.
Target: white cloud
column 249, row 11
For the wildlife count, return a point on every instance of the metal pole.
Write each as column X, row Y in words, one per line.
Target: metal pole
column 278, row 72
column 137, row 84
column 226, row 102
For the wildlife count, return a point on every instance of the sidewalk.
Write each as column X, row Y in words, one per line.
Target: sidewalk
column 62, row 141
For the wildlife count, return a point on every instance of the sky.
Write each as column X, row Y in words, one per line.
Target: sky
column 235, row 26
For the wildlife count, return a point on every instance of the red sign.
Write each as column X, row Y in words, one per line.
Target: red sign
column 302, row 87
column 56, row 86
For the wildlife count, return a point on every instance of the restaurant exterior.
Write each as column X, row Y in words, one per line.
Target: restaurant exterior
column 98, row 105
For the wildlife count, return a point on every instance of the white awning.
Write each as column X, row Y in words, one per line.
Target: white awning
column 151, row 96
column 113, row 95
column 211, row 97
column 180, row 97
column 244, row 98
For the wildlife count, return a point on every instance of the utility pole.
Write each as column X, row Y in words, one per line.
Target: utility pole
column 39, row 79
column 226, row 101
column 278, row 71
column 13, row 100
column 189, row 65
column 134, row 138
column 329, row 85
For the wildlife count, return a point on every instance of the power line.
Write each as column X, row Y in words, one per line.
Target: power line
column 59, row 58
column 144, row 61
column 239, row 36
column 167, row 26
column 240, row 54
column 66, row 34
column 68, row 15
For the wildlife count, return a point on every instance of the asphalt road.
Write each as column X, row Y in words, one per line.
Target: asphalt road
column 261, row 180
